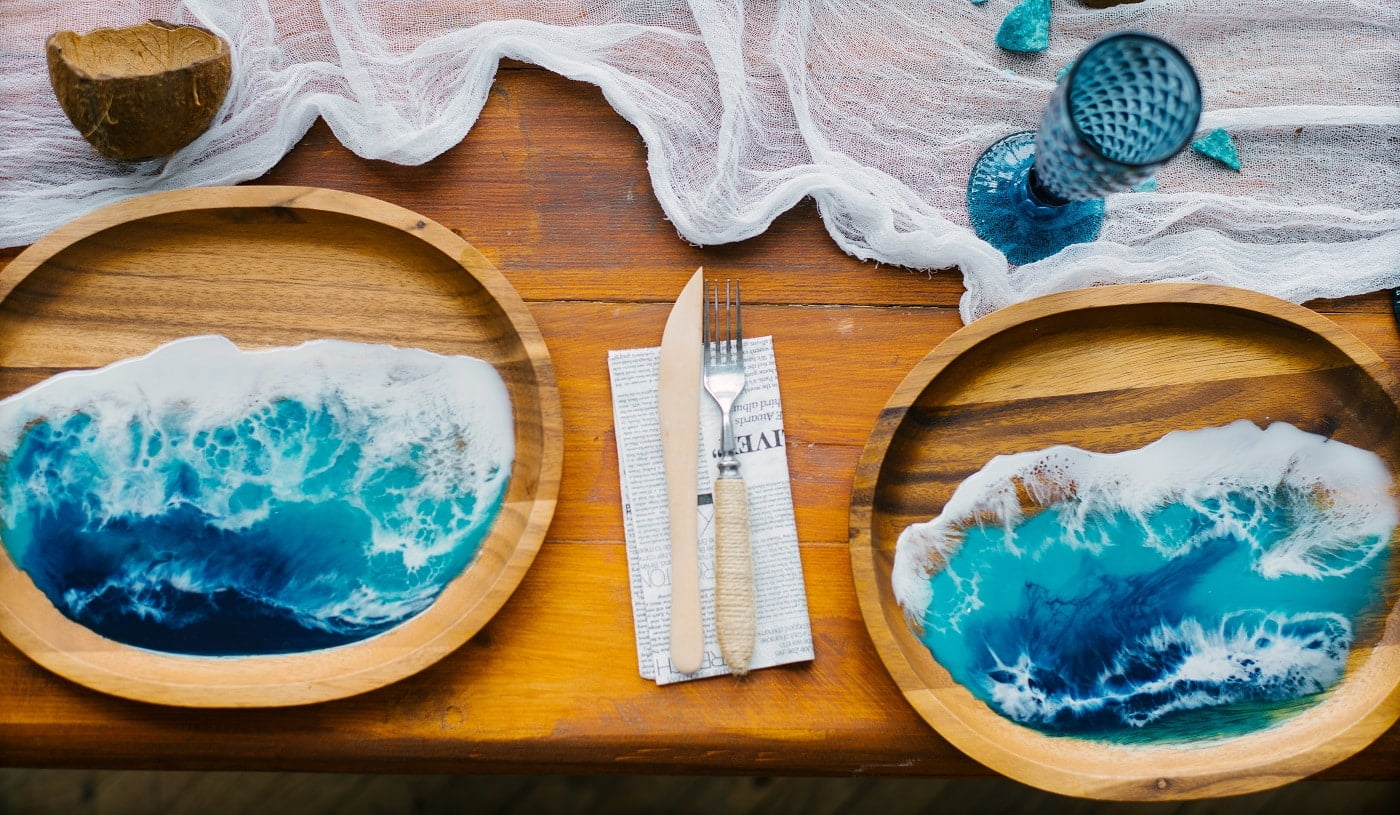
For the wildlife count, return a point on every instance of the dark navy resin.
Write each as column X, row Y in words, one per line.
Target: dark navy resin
column 287, row 525
column 1148, row 623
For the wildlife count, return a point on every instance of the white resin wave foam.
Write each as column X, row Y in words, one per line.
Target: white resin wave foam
column 1249, row 655
column 451, row 415
column 1341, row 497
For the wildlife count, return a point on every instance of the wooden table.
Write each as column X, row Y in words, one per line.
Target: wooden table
column 551, row 185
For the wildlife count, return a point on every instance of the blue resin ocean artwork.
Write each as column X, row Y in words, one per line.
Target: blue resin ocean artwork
column 1207, row 585
column 204, row 500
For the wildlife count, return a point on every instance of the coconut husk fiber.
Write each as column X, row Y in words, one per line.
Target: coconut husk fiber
column 143, row 91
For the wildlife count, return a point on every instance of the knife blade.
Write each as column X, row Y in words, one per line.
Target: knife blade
column 678, row 399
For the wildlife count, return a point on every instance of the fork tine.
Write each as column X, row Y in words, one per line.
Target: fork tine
column 728, row 324
column 738, row 324
column 714, row 336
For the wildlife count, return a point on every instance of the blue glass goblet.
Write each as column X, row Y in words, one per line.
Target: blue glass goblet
column 1129, row 103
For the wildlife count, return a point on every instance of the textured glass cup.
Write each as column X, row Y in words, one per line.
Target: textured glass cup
column 1128, row 104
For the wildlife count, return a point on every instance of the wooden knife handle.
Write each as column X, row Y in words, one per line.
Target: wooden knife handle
column 687, row 629
column 734, row 591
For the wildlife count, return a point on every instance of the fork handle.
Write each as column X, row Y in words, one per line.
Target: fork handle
column 734, row 591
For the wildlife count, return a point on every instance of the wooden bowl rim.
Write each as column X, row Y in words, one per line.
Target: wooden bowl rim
column 325, row 674
column 1226, row 766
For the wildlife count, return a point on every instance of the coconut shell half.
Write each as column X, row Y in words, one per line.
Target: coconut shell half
column 142, row 91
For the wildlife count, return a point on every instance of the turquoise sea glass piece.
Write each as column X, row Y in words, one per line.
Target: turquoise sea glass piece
column 1218, row 145
column 1026, row 28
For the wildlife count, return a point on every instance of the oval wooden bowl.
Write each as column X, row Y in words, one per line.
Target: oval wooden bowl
column 142, row 91
column 276, row 266
column 1111, row 369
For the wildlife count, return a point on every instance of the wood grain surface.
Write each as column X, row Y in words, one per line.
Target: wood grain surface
column 551, row 186
column 277, row 266
column 1110, row 370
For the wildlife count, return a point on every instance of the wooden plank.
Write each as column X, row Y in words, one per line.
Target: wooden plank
column 576, row 217
column 550, row 683
column 521, row 686
column 860, row 353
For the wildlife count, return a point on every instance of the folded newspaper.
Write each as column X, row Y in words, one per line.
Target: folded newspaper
column 783, row 625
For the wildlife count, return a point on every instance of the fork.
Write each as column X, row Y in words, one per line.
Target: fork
column 724, row 381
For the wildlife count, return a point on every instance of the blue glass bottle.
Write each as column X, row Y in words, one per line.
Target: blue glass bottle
column 1127, row 105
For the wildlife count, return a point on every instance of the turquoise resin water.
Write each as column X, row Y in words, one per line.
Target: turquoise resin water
column 1208, row 614
column 204, row 500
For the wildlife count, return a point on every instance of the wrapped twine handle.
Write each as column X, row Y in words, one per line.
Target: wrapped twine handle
column 734, row 592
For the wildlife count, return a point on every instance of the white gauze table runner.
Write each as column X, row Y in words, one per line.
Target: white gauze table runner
column 875, row 110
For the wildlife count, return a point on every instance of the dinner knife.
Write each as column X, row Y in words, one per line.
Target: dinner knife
column 678, row 399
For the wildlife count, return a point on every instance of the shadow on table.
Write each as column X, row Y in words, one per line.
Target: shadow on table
column 84, row 792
